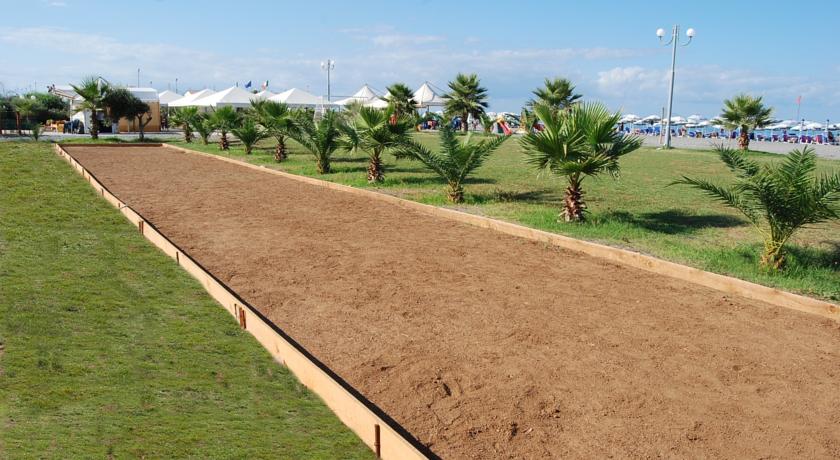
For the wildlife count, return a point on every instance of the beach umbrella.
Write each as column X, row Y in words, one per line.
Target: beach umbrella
column 650, row 119
column 629, row 118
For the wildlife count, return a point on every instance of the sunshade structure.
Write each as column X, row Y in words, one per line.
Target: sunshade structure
column 629, row 118
column 188, row 99
column 425, row 96
column 263, row 95
column 377, row 103
column 296, row 97
column 650, row 119
column 234, row 96
column 166, row 97
column 365, row 95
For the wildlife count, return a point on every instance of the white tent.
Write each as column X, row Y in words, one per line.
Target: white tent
column 425, row 96
column 377, row 103
column 168, row 96
column 233, row 97
column 263, row 95
column 188, row 99
column 364, row 95
column 297, row 98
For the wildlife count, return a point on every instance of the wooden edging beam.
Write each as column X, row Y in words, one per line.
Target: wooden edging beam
column 715, row 281
column 375, row 428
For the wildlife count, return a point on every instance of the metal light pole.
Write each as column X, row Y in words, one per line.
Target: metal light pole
column 176, row 84
column 328, row 65
column 674, row 41
column 138, row 77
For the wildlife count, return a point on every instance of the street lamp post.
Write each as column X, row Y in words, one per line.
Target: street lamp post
column 674, row 41
column 328, row 65
column 176, row 85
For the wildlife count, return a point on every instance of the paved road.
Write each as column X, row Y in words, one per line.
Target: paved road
column 825, row 151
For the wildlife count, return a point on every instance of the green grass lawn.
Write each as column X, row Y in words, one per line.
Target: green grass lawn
column 639, row 211
column 109, row 350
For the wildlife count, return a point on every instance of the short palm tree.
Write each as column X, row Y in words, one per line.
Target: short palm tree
column 745, row 113
column 249, row 133
column 575, row 144
column 401, row 99
column 203, row 126
column 778, row 199
column 185, row 118
column 456, row 160
column 92, row 90
column 378, row 131
column 321, row 138
column 466, row 97
column 278, row 121
column 557, row 93
column 224, row 119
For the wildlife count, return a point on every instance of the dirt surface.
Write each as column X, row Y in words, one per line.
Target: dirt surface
column 485, row 345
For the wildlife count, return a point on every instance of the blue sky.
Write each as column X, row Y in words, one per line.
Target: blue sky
column 608, row 49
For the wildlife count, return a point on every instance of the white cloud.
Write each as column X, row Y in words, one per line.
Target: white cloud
column 403, row 40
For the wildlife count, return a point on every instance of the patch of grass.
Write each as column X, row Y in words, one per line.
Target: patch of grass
column 639, row 211
column 108, row 349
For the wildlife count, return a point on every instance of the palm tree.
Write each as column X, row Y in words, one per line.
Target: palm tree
column 466, row 97
column 186, row 117
column 224, row 119
column 278, row 121
column 558, row 94
column 379, row 130
column 249, row 133
column 575, row 144
column 320, row 138
column 203, row 125
column 401, row 99
column 778, row 199
column 92, row 90
column 745, row 113
column 456, row 159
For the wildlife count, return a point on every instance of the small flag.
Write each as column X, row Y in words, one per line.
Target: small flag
column 265, row 85
column 798, row 100
column 248, row 85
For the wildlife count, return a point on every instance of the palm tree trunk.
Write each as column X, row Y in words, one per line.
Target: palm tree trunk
column 456, row 192
column 248, row 149
column 744, row 139
column 223, row 141
column 464, row 122
column 375, row 172
column 773, row 257
column 573, row 205
column 187, row 134
column 323, row 166
column 280, row 149
column 94, row 125
column 17, row 123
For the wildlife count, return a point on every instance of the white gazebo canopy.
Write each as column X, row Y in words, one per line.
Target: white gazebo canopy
column 425, row 96
column 168, row 96
column 263, row 95
column 187, row 100
column 364, row 95
column 377, row 103
column 299, row 98
column 233, row 97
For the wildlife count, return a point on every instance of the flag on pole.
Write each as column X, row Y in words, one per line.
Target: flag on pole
column 798, row 100
column 265, row 85
column 248, row 85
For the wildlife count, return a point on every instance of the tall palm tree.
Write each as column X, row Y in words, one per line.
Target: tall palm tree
column 186, row 117
column 249, row 133
column 575, row 144
column 466, row 97
column 380, row 130
column 746, row 113
column 321, row 138
column 456, row 160
column 278, row 121
column 778, row 199
column 401, row 99
column 92, row 90
column 224, row 119
column 557, row 93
